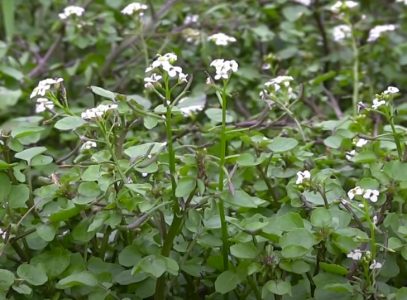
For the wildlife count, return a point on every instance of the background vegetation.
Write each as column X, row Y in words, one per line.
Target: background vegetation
column 279, row 173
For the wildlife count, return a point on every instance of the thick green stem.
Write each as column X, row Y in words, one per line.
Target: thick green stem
column 160, row 288
column 221, row 207
column 355, row 97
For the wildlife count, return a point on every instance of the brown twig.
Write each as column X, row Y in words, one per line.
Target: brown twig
column 42, row 62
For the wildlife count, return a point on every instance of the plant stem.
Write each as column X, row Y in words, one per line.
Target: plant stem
column 395, row 135
column 160, row 288
column 372, row 229
column 221, row 207
column 355, row 96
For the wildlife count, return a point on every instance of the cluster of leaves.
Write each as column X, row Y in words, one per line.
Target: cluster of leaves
column 154, row 208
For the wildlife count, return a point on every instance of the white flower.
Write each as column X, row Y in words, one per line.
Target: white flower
column 279, row 81
column 355, row 191
column 182, row 77
column 361, row 106
column 349, row 155
column 402, row 1
column 360, row 143
column 191, row 19
column 188, row 110
column 266, row 66
column 375, row 219
column 3, row 234
column 43, row 104
column 44, row 86
column 88, row 145
column 71, row 10
column 302, row 175
column 164, row 62
column 375, row 265
column 97, row 112
column 371, row 195
column 341, row 32
column 224, row 68
column 376, row 103
column 221, row 39
column 304, row 2
column 355, row 254
column 377, row 31
column 150, row 82
column 134, row 7
column 342, row 5
column 391, row 90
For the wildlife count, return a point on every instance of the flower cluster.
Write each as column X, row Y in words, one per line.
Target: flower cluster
column 341, row 32
column 355, row 254
column 133, row 8
column 278, row 84
column 40, row 92
column 359, row 143
column 97, row 112
column 221, row 39
column 88, row 145
column 164, row 63
column 44, row 86
column 191, row 19
column 343, row 5
column 391, row 90
column 303, row 176
column 71, row 10
column 224, row 68
column 377, row 31
column 368, row 194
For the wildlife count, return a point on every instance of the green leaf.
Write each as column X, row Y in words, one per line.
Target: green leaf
column 215, row 115
column 34, row 275
column 334, row 141
column 247, row 250
column 226, row 282
column 102, row 92
column 22, row 289
column 8, row 9
column 129, row 256
column 8, row 97
column 69, row 123
column 29, row 154
column 243, row 199
column 278, row 287
column 89, row 189
column 83, row 278
column 282, row 144
column 334, row 268
column 46, row 232
column 92, row 173
column 263, row 33
column 293, row 13
column 54, row 261
column 185, row 186
column 321, row 217
column 155, row 265
column 5, row 185
column 144, row 149
column 19, row 194
column 41, row 160
column 6, row 279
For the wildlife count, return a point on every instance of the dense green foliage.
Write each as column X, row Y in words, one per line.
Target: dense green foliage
column 143, row 167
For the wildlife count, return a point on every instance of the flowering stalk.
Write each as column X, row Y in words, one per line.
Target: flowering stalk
column 355, row 50
column 177, row 218
column 221, row 207
column 371, row 228
column 390, row 118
